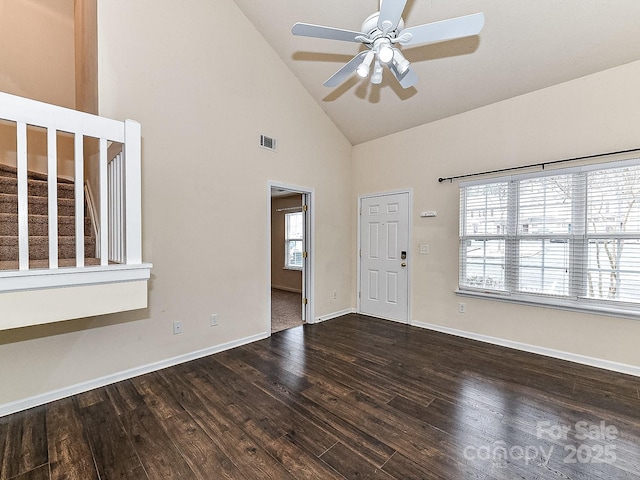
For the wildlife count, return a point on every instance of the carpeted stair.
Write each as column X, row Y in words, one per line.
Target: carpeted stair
column 38, row 222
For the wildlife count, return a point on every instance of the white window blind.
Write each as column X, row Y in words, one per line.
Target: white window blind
column 569, row 237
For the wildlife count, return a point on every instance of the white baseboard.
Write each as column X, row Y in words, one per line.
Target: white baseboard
column 287, row 289
column 330, row 316
column 547, row 352
column 17, row 406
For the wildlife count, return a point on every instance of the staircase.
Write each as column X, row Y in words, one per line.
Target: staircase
column 39, row 222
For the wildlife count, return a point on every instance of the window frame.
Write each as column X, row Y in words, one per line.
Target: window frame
column 288, row 240
column 578, row 238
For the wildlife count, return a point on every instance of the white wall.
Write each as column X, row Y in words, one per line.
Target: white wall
column 204, row 86
column 595, row 114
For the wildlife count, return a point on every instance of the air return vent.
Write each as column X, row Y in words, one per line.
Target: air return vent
column 268, row 143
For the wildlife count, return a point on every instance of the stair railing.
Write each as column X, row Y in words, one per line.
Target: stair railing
column 119, row 179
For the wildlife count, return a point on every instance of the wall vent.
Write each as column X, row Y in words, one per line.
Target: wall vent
column 268, row 143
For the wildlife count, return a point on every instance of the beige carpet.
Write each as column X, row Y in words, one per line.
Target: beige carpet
column 286, row 310
column 38, row 211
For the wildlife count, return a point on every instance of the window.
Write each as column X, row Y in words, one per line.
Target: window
column 569, row 238
column 293, row 239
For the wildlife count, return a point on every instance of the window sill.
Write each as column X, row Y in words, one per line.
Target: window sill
column 576, row 305
column 295, row 269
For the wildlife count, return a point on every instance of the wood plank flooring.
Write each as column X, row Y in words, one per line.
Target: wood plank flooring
column 351, row 398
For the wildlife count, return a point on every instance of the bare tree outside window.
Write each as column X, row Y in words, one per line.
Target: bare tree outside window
column 613, row 215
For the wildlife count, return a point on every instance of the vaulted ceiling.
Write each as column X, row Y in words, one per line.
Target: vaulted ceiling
column 525, row 45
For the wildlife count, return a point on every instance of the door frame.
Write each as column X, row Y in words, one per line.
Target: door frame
column 408, row 191
column 308, row 290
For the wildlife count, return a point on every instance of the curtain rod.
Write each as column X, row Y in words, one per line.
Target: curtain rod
column 451, row 179
column 288, row 208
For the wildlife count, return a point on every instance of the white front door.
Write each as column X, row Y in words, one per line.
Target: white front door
column 384, row 256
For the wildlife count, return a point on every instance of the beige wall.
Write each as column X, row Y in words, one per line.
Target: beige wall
column 86, row 55
column 595, row 114
column 205, row 191
column 280, row 277
column 42, row 32
column 37, row 61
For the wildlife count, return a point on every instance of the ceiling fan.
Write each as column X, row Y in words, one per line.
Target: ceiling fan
column 380, row 33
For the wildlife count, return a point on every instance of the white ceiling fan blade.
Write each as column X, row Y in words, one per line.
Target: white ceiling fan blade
column 348, row 69
column 408, row 79
column 443, row 30
column 390, row 13
column 330, row 33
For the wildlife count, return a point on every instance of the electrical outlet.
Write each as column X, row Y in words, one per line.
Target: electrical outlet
column 335, row 294
column 177, row 327
column 213, row 320
column 462, row 308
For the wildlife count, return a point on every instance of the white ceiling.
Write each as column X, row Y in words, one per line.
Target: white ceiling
column 525, row 45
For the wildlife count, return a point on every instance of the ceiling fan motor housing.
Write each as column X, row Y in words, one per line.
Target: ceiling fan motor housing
column 370, row 27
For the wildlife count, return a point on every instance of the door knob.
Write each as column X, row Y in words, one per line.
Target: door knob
column 403, row 264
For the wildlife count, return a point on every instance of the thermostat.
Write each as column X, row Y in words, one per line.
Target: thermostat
column 428, row 213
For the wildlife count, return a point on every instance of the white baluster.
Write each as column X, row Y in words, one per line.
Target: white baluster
column 121, row 210
column 52, row 183
column 104, row 218
column 79, row 197
column 23, row 198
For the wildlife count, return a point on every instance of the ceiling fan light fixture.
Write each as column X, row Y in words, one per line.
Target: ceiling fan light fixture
column 362, row 70
column 376, row 78
column 400, row 62
column 385, row 53
column 365, row 66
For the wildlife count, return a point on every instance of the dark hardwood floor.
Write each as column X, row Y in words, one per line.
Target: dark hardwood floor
column 354, row 398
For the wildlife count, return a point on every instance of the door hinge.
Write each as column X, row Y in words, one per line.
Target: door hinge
column 359, row 294
column 305, row 208
column 305, row 254
column 360, row 252
column 305, row 301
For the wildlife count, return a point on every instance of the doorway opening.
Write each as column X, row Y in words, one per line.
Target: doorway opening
column 290, row 243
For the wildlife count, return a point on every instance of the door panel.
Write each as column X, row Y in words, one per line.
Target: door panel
column 392, row 287
column 392, row 241
column 374, row 230
column 384, row 278
column 374, row 285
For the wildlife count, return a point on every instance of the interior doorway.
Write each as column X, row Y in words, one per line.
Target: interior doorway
column 290, row 244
